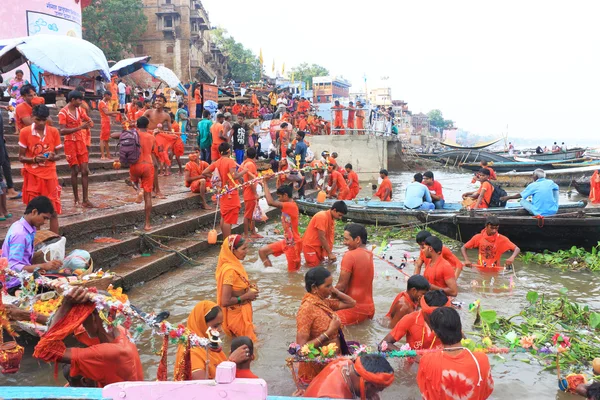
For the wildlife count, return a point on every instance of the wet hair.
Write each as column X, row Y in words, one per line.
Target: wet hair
column 418, row 177
column 42, row 204
column 251, row 153
column 376, row 364
column 161, row 96
column 240, row 341
column 224, row 148
column 357, row 230
column 492, row 220
column 446, row 324
column 80, row 89
column 74, row 95
column 485, row 171
column 142, row 122
column 340, row 206
column 436, row 298
column 421, row 236
column 484, row 163
column 301, row 134
column 418, row 282
column 205, row 114
column 212, row 314
column 384, row 171
column 435, row 243
column 41, row 111
column 428, row 174
column 283, row 125
column 25, row 89
column 593, row 391
column 315, row 277
column 348, row 166
column 285, row 189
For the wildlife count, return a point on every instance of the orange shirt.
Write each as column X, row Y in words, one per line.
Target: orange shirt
column 235, row 110
column 330, row 382
column 65, row 117
column 404, row 298
column 321, row 221
column 35, row 145
column 23, row 110
column 437, row 274
column 303, row 106
column 386, row 183
column 245, row 373
column 353, row 178
column 447, row 255
column 339, row 180
column 302, row 124
column 195, row 169
column 217, row 130
column 289, row 220
column 418, row 334
column 224, row 166
column 147, row 142
column 197, row 98
column 487, row 197
column 175, row 127
column 491, row 248
column 108, row 363
column 103, row 108
column 250, row 190
column 359, row 263
column 338, row 115
column 140, row 113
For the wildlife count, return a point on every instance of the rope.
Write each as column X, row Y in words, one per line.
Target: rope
column 160, row 246
column 540, row 221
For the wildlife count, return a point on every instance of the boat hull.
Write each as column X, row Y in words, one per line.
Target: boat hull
column 454, row 157
column 562, row 177
column 568, row 155
column 582, row 187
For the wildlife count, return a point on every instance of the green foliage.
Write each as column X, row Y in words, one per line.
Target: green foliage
column 244, row 65
column 437, row 119
column 532, row 297
column 575, row 258
column 113, row 25
column 306, row 73
column 488, row 316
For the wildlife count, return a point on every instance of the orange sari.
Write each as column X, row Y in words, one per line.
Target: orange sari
column 595, row 188
column 237, row 319
column 197, row 325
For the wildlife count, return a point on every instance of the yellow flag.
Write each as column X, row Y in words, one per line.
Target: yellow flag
column 273, row 68
column 260, row 58
column 283, row 69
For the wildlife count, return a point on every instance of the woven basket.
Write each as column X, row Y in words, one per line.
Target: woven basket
column 99, row 283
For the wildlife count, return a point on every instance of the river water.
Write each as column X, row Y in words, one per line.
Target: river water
column 280, row 294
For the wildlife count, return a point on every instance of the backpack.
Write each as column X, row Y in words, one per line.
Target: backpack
column 129, row 147
column 496, row 194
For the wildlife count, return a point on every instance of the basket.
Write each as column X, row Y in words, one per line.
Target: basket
column 11, row 355
column 99, row 283
column 41, row 237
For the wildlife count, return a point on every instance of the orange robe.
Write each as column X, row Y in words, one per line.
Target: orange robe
column 237, row 319
column 490, row 248
column 360, row 121
column 447, row 255
column 353, row 186
column 196, row 324
column 311, row 245
column 386, row 183
column 330, row 382
column 338, row 121
column 351, row 112
column 359, row 263
column 595, row 188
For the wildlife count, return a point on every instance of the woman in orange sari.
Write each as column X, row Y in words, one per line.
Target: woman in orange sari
column 595, row 187
column 235, row 293
column 316, row 322
column 205, row 315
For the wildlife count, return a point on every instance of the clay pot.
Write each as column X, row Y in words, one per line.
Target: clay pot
column 10, row 357
column 212, row 236
column 321, row 197
column 117, row 164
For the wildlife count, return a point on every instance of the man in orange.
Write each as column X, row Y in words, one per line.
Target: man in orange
column 250, row 195
column 39, row 145
column 317, row 242
column 369, row 375
column 491, row 246
column 446, row 255
column 408, row 301
column 456, row 372
column 198, row 101
column 338, row 120
column 226, row 178
column 218, row 136
column 291, row 245
column 439, row 273
column 352, row 180
column 351, row 112
column 114, row 98
column 160, row 120
column 385, row 187
column 141, row 173
column 302, row 123
column 142, row 108
column 415, row 326
column 284, row 138
column 339, row 187
column 105, row 115
column 236, row 109
column 303, row 105
column 483, row 195
column 193, row 178
column 360, row 118
column 73, row 121
column 356, row 277
column 24, row 110
column 114, row 359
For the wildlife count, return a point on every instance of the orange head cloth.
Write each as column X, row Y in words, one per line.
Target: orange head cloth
column 51, row 347
column 427, row 309
column 380, row 379
column 36, row 101
column 193, row 156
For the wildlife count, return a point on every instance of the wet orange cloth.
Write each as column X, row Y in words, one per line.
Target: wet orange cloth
column 437, row 274
column 353, row 185
column 229, row 203
column 23, row 110
column 237, row 319
column 164, row 141
column 359, row 263
column 245, row 373
column 490, row 248
column 291, row 246
column 448, row 375
column 143, row 169
column 330, row 382
column 311, row 245
column 341, row 187
column 402, row 297
column 595, row 188
column 104, row 120
column 338, row 121
column 197, row 325
column 386, row 183
column 447, row 255
column 250, row 190
column 487, row 196
column 195, row 169
column 418, row 334
column 216, row 130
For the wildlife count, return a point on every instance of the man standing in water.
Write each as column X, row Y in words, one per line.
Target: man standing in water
column 491, row 246
column 317, row 242
column 158, row 116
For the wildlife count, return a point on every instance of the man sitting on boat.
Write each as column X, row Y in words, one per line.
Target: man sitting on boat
column 417, row 195
column 435, row 189
column 484, row 164
column 483, row 195
column 544, row 195
column 491, row 246
column 385, row 187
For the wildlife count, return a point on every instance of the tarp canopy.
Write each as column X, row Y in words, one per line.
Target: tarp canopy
column 129, row 65
column 477, row 146
column 165, row 75
column 56, row 54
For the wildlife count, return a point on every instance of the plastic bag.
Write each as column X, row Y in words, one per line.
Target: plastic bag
column 259, row 214
column 77, row 259
column 55, row 250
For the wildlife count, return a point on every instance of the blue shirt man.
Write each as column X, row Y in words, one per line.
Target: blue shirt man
column 204, row 136
column 417, row 195
column 544, row 195
column 300, row 148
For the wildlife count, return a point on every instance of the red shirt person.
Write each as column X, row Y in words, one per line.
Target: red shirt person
column 491, row 246
column 352, row 180
column 435, row 189
column 356, row 278
column 385, row 187
column 407, row 302
column 439, row 273
column 317, row 242
column 483, row 195
column 446, row 255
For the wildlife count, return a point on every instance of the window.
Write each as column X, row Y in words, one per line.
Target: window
column 169, row 49
column 139, row 49
column 168, row 22
column 167, row 1
column 318, row 99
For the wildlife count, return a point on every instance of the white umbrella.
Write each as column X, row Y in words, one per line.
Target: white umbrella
column 59, row 55
column 129, row 65
column 165, row 75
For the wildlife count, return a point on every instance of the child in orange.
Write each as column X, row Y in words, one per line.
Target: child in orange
column 291, row 245
column 193, row 177
column 73, row 122
column 39, row 145
column 243, row 369
column 317, row 242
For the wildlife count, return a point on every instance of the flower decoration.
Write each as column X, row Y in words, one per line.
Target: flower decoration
column 294, row 348
column 468, row 343
column 486, row 342
column 329, row 350
column 527, row 342
column 405, row 347
column 562, row 342
column 511, row 337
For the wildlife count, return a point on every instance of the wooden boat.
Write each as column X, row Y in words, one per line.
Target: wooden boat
column 521, row 166
column 582, row 187
column 570, row 164
column 562, row 177
column 559, row 232
column 393, row 213
column 575, row 152
column 457, row 156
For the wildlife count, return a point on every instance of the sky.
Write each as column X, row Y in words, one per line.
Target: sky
column 530, row 68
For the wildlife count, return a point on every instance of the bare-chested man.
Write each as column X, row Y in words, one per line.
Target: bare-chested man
column 156, row 116
column 228, row 127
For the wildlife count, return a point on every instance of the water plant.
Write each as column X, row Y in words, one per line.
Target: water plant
column 575, row 258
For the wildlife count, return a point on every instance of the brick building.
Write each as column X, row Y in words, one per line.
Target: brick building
column 178, row 37
column 327, row 89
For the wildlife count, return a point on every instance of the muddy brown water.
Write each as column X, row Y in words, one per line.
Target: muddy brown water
column 280, row 295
